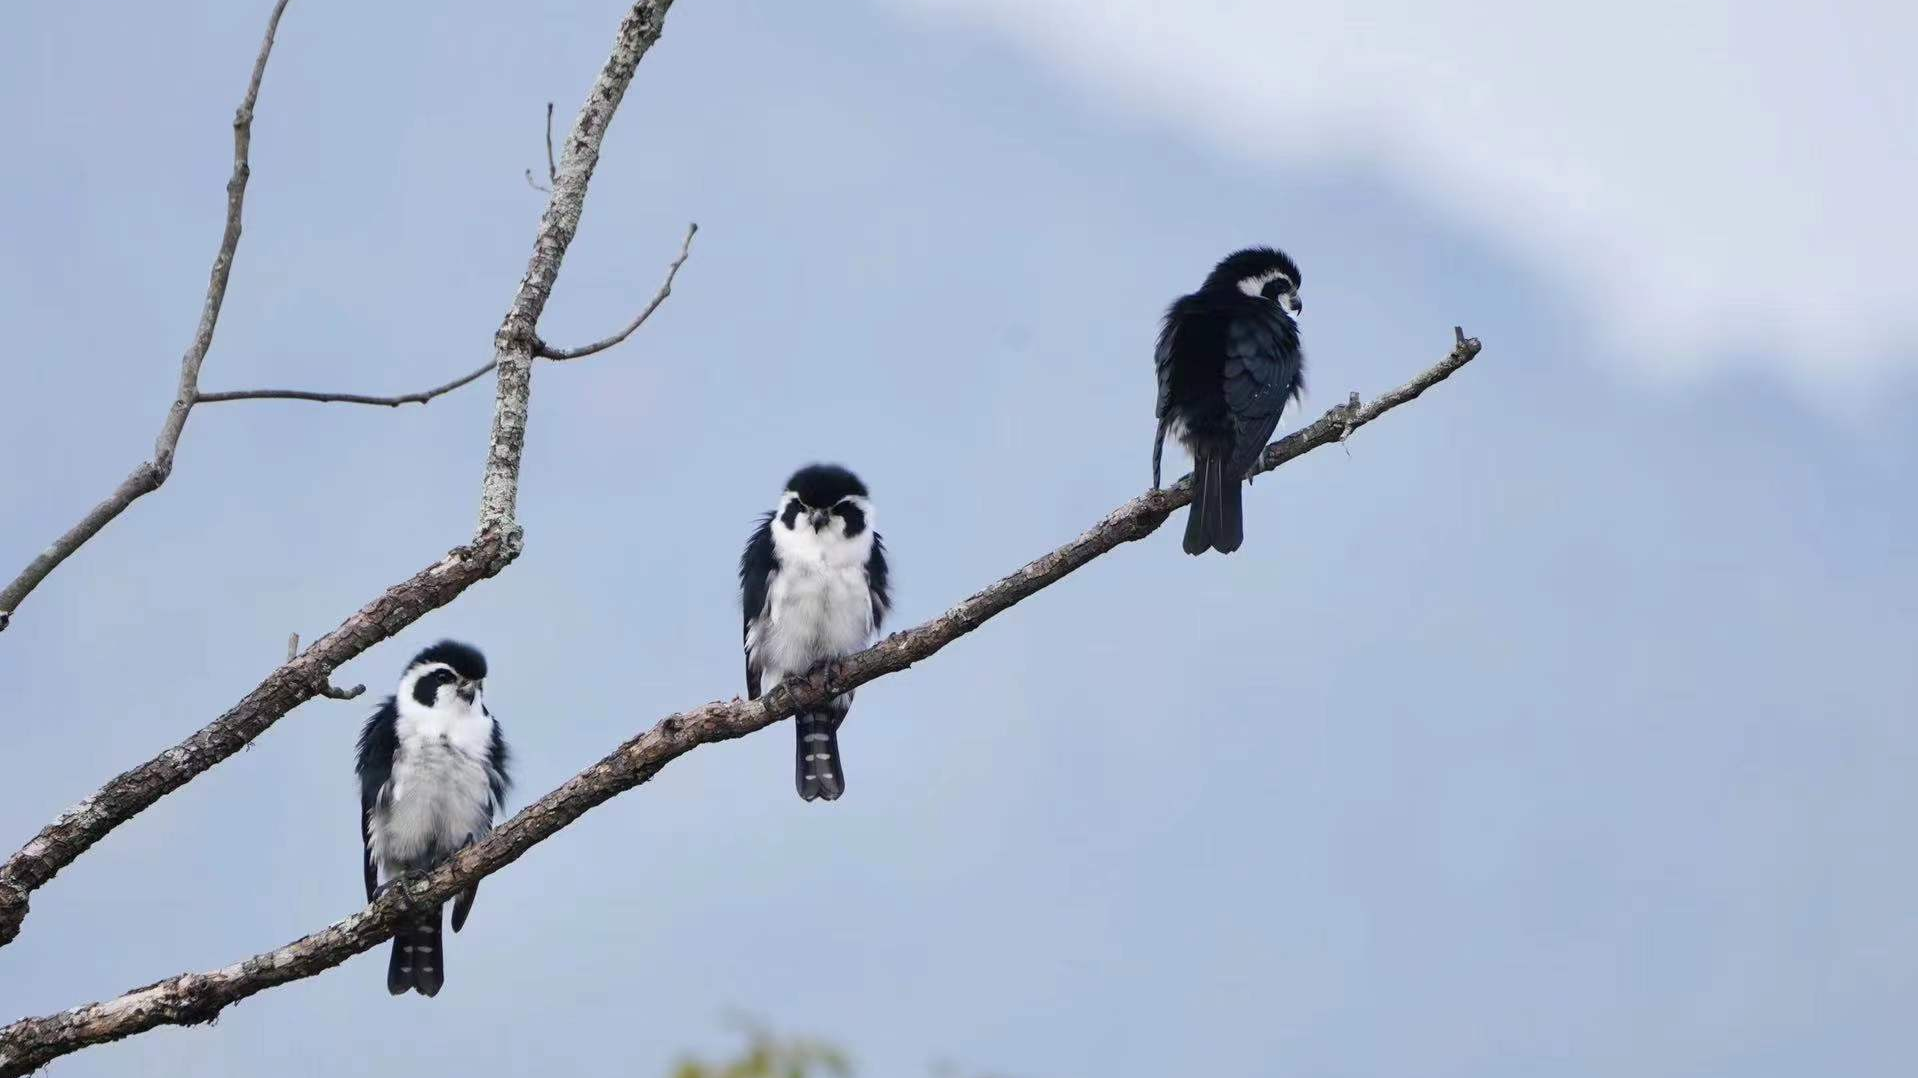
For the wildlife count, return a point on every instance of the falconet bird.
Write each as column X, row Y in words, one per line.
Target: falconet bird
column 432, row 767
column 813, row 588
column 1228, row 362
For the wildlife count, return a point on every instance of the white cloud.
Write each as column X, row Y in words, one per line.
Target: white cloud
column 1723, row 179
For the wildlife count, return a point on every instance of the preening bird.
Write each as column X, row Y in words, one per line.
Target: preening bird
column 813, row 588
column 1228, row 361
column 432, row 767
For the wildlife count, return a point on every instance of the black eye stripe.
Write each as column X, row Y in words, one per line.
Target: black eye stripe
column 426, row 689
column 854, row 517
column 793, row 509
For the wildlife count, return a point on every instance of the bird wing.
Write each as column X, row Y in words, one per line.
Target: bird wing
column 1263, row 370
column 498, row 782
column 756, row 568
column 368, row 870
column 498, row 757
column 878, row 581
column 379, row 740
column 1165, row 358
column 463, row 902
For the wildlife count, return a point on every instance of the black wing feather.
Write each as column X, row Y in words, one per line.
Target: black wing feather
column 1166, row 358
column 1263, row 370
column 756, row 568
column 878, row 582
column 379, row 740
column 499, row 757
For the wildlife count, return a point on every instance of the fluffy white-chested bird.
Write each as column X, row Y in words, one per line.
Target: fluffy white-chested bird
column 432, row 768
column 813, row 588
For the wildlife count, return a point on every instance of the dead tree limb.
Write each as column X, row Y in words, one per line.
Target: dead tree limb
column 147, row 478
column 518, row 338
column 545, row 351
column 421, row 397
column 495, row 546
column 193, row 998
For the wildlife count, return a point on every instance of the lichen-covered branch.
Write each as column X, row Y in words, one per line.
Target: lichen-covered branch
column 147, row 478
column 199, row 997
column 493, row 548
column 518, row 338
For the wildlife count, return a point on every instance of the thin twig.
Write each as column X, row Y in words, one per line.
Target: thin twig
column 147, row 478
column 547, row 351
column 199, row 997
column 325, row 687
column 552, row 167
column 345, row 398
column 552, row 170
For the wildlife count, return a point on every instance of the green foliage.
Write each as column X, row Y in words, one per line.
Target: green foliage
column 767, row 1055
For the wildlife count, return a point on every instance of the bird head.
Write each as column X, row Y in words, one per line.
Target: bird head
column 449, row 674
column 1262, row 272
column 824, row 504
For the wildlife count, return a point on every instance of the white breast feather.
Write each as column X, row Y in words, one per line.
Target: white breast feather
column 440, row 793
column 819, row 605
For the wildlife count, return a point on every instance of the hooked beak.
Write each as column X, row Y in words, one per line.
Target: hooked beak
column 468, row 690
column 819, row 517
column 1294, row 304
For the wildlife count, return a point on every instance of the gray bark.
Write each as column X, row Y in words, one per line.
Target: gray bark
column 517, row 341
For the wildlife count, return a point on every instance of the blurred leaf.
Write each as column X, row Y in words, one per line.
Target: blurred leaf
column 767, row 1055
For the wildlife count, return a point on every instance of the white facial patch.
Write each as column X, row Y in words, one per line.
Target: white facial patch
column 1252, row 286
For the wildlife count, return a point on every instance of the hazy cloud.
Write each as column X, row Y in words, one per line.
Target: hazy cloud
column 1725, row 182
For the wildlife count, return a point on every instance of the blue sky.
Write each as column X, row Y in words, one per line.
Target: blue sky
column 1560, row 726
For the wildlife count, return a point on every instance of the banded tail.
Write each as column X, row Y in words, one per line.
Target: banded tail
column 1215, row 521
column 819, row 774
column 419, row 959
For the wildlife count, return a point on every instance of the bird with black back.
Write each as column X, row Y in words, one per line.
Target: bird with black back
column 1228, row 361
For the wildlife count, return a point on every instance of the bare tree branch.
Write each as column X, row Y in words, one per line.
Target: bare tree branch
column 545, row 351
column 518, row 337
column 296, row 681
column 345, row 398
column 496, row 544
column 193, row 998
column 665, row 289
column 147, row 478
